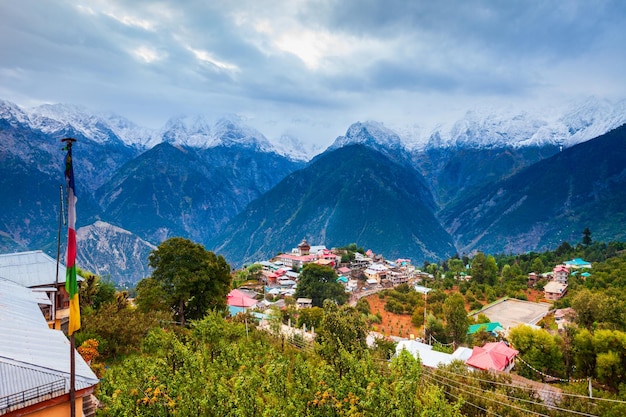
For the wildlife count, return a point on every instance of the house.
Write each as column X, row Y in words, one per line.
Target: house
column 304, row 303
column 495, row 355
column 344, row 271
column 554, row 290
column 238, row 302
column 303, row 248
column 564, row 316
column 295, row 261
column 38, row 271
column 577, row 263
column 429, row 357
column 35, row 361
column 560, row 273
column 376, row 272
column 532, row 279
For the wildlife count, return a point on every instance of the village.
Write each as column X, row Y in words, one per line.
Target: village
column 369, row 273
column 39, row 308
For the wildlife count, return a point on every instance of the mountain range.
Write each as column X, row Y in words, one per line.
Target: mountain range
column 492, row 181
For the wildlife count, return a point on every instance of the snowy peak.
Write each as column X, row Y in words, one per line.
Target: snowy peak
column 371, row 134
column 293, row 148
column 13, row 114
column 231, row 131
column 101, row 128
column 196, row 131
column 592, row 118
column 491, row 128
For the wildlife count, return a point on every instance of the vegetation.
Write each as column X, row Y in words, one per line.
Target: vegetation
column 187, row 279
column 215, row 366
column 319, row 283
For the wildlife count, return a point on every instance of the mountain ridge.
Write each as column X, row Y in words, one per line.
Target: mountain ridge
column 481, row 127
column 196, row 187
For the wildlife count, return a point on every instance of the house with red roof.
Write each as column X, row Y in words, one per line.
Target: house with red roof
column 495, row 355
column 295, row 261
column 239, row 302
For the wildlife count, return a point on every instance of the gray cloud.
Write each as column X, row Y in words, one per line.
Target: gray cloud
column 309, row 67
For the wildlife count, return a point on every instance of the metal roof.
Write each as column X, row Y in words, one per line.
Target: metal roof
column 31, row 354
column 31, row 269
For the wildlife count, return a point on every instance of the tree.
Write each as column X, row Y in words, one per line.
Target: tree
column 191, row 280
column 342, row 328
column 457, row 322
column 484, row 269
column 319, row 283
column 310, row 317
column 537, row 265
column 538, row 348
column 587, row 237
column 118, row 328
column 94, row 292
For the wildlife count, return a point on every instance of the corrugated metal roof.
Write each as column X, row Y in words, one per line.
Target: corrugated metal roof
column 31, row 269
column 31, row 354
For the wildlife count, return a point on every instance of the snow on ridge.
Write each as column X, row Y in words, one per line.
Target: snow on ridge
column 231, row 130
column 494, row 127
column 293, row 148
column 369, row 133
column 568, row 125
column 13, row 113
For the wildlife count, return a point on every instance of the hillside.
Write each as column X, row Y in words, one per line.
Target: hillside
column 353, row 194
column 548, row 203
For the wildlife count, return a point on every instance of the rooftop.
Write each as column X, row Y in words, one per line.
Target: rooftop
column 34, row 358
column 31, row 269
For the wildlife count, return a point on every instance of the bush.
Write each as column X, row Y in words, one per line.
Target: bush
column 394, row 306
column 476, row 305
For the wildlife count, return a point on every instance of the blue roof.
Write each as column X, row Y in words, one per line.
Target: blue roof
column 578, row 262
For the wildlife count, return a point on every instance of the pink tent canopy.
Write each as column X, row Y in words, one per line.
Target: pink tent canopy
column 238, row 299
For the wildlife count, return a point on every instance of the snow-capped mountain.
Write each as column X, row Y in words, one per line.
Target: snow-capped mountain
column 369, row 133
column 231, row 130
column 493, row 128
column 479, row 128
column 198, row 132
column 292, row 147
column 12, row 113
column 194, row 131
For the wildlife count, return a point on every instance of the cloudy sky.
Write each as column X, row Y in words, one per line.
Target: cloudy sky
column 310, row 68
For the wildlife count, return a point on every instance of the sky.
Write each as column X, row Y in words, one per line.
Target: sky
column 310, row 68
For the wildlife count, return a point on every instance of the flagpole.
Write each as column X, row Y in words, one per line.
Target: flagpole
column 68, row 145
column 56, row 281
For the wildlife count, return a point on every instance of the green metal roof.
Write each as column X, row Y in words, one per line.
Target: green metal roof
column 488, row 327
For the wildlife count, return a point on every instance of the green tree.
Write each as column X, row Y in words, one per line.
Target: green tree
column 435, row 328
column 538, row 348
column 190, row 280
column 455, row 315
column 484, row 269
column 587, row 237
column 118, row 328
column 310, row 317
column 319, row 283
column 94, row 292
column 343, row 328
column 537, row 265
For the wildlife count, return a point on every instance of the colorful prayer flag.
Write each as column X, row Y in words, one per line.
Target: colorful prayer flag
column 71, row 285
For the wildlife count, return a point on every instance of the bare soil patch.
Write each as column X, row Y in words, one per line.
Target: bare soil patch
column 392, row 324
